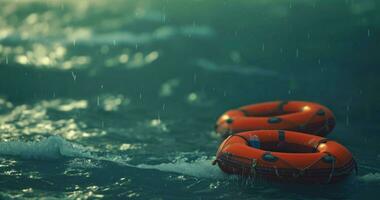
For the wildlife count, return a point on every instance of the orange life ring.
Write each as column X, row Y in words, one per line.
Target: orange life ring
column 301, row 158
column 299, row 116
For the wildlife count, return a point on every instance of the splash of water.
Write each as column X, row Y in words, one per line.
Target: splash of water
column 53, row 147
column 200, row 168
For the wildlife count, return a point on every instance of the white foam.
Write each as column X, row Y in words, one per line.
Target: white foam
column 370, row 177
column 83, row 163
column 201, row 168
column 53, row 147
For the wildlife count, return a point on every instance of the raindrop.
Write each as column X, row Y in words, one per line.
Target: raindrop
column 308, row 35
column 98, row 101
column 74, row 43
column 192, row 97
column 347, row 120
column 163, row 16
column 163, row 107
column 281, row 50
column 347, row 115
column 297, row 53
column 319, row 61
column 6, row 60
column 368, row 32
column 114, row 42
column 263, row 47
column 74, row 76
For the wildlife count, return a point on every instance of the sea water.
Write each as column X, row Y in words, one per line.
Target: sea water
column 118, row 99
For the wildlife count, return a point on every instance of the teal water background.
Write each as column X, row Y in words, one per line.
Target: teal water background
column 118, row 99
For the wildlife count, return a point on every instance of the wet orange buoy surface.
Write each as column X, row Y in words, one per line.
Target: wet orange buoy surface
column 300, row 116
column 285, row 155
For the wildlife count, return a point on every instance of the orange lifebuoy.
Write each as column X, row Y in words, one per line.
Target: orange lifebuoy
column 300, row 157
column 299, row 116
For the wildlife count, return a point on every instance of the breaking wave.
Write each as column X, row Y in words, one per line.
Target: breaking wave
column 53, row 147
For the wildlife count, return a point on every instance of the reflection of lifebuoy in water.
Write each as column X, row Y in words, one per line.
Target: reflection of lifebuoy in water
column 300, row 157
column 299, row 116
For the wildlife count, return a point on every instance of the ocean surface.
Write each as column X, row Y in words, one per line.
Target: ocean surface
column 118, row 99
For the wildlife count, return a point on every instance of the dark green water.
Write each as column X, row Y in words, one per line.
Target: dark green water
column 117, row 99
